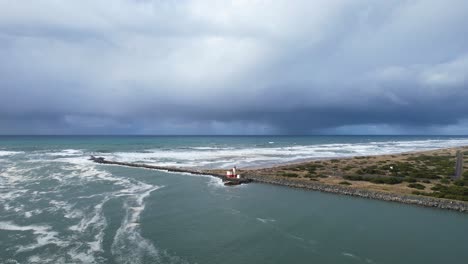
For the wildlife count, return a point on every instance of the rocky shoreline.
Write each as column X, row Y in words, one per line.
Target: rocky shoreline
column 390, row 197
column 316, row 186
column 101, row 160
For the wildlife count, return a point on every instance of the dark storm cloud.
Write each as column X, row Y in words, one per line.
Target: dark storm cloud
column 227, row 67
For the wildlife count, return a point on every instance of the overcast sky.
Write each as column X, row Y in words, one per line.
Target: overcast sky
column 234, row 67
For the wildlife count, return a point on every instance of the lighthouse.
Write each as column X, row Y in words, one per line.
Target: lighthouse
column 232, row 173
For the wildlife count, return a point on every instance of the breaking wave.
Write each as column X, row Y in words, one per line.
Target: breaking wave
column 63, row 185
column 225, row 157
column 76, row 191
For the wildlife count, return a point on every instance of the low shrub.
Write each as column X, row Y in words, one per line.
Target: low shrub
column 445, row 181
column 377, row 180
column 410, row 180
column 290, row 174
column 461, row 182
column 386, row 180
column 417, row 186
column 450, row 192
column 354, row 178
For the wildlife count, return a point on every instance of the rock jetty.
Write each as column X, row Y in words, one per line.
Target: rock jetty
column 391, row 197
column 233, row 181
column 316, row 186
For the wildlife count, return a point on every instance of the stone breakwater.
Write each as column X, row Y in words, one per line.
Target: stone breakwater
column 101, row 160
column 316, row 186
column 391, row 197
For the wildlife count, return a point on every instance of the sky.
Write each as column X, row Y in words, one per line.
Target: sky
column 234, row 67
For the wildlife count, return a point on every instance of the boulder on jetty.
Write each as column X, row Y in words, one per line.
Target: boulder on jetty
column 97, row 159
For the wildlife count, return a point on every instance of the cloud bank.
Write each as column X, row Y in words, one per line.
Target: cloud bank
column 233, row 67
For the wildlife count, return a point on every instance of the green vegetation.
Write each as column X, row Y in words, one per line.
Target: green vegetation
column 311, row 168
column 370, row 170
column 443, row 165
column 419, row 167
column 413, row 170
column 450, row 192
column 461, row 182
column 290, row 174
column 354, row 178
column 417, row 186
column 410, row 180
column 377, row 180
column 445, row 181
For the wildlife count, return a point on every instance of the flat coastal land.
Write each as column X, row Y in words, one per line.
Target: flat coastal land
column 434, row 178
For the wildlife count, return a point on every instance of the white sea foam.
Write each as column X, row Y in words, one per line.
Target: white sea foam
column 65, row 153
column 13, row 174
column 346, row 254
column 43, row 235
column 81, row 257
column 129, row 245
column 265, row 220
column 84, row 240
column 254, row 156
column 360, row 259
column 216, row 182
column 4, row 153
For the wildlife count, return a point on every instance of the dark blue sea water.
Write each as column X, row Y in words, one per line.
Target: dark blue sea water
column 58, row 207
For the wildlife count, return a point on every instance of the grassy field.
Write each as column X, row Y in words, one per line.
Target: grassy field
column 428, row 173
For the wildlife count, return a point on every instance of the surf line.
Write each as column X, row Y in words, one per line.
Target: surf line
column 226, row 180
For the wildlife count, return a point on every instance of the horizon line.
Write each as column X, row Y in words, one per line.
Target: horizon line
column 225, row 135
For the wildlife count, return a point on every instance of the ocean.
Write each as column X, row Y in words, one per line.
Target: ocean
column 56, row 206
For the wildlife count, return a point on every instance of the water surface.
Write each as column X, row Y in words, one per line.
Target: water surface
column 57, row 207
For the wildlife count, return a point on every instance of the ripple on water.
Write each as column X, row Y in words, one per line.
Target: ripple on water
column 82, row 240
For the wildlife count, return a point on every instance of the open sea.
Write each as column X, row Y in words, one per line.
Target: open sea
column 58, row 207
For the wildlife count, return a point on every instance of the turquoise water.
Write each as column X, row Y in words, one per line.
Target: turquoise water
column 57, row 207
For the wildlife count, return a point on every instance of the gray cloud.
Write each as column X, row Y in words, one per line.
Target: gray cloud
column 251, row 67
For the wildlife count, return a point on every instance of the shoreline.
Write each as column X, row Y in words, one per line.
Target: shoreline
column 422, row 201
column 331, row 183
